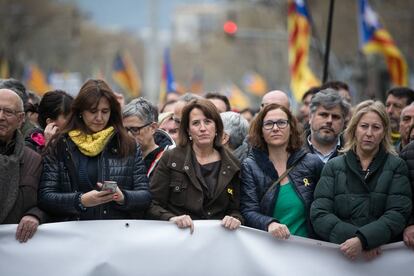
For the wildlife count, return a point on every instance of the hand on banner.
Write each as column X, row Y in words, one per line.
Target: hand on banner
column 26, row 228
column 278, row 230
column 352, row 247
column 230, row 223
column 409, row 236
column 371, row 254
column 183, row 221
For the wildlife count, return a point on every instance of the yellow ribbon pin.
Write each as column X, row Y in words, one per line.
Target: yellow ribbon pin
column 230, row 191
column 306, row 182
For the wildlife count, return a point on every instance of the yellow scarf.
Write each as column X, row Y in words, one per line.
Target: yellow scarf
column 91, row 144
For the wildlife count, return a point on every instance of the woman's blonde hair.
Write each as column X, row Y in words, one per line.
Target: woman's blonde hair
column 360, row 110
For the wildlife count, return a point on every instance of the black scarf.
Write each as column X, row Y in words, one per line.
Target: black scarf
column 10, row 174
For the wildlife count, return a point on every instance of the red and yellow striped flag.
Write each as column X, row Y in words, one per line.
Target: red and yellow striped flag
column 301, row 76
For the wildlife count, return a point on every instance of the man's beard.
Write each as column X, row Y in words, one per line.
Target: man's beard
column 324, row 139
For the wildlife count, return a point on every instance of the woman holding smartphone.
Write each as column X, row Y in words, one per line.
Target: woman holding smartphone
column 93, row 148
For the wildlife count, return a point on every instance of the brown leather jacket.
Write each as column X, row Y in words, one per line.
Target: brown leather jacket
column 177, row 191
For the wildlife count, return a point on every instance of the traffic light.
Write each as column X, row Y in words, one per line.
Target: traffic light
column 230, row 28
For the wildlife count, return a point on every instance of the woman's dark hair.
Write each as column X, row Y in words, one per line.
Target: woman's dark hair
column 53, row 104
column 256, row 129
column 88, row 98
column 210, row 111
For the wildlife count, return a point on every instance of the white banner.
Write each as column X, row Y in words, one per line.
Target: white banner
column 134, row 247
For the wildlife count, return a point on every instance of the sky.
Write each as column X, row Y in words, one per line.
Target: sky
column 130, row 15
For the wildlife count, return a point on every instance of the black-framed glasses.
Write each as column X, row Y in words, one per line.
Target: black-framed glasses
column 7, row 112
column 268, row 125
column 136, row 130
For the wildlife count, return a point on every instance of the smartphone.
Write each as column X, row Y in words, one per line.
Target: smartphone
column 109, row 186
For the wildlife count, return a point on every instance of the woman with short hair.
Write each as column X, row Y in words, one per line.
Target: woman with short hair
column 140, row 119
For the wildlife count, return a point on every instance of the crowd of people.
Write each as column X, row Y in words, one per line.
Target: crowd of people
column 333, row 172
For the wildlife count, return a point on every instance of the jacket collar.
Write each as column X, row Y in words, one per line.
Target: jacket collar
column 183, row 162
column 354, row 164
column 262, row 159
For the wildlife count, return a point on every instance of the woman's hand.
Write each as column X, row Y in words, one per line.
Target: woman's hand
column 352, row 247
column 50, row 130
column 119, row 196
column 183, row 221
column 230, row 222
column 278, row 230
column 409, row 236
column 94, row 197
column 371, row 254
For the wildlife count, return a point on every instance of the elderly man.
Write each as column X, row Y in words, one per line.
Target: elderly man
column 16, row 86
column 406, row 121
column 328, row 111
column 277, row 97
column 397, row 99
column 20, row 170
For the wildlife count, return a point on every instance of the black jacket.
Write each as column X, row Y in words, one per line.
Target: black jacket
column 258, row 174
column 59, row 192
column 407, row 153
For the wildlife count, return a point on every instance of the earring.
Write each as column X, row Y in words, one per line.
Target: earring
column 191, row 138
column 216, row 133
column 80, row 116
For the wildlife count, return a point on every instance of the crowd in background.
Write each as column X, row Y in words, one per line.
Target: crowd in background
column 335, row 171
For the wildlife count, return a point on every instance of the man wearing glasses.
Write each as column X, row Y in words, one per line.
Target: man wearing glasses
column 20, row 169
column 328, row 111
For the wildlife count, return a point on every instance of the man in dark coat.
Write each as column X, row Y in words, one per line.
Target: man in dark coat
column 20, row 170
column 407, row 154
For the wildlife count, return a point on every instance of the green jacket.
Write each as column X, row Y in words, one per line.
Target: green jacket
column 375, row 206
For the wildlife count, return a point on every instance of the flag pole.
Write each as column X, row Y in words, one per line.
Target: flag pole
column 328, row 42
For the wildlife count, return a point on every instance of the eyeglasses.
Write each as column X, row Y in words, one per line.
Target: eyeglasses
column 268, row 125
column 7, row 112
column 136, row 130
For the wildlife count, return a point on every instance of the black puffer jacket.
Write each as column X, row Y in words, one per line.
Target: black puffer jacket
column 59, row 191
column 258, row 174
column 407, row 153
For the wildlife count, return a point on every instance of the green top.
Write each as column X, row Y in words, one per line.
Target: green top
column 290, row 210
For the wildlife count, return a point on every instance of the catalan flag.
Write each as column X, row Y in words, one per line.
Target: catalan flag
column 255, row 84
column 375, row 39
column 126, row 75
column 168, row 84
column 299, row 28
column 35, row 79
